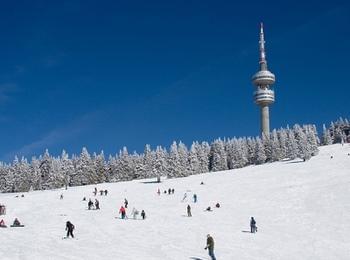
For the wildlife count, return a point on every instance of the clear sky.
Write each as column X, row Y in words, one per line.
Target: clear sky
column 107, row 74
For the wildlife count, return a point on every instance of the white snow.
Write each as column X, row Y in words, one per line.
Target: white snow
column 302, row 211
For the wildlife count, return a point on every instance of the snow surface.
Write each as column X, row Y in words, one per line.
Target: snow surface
column 302, row 211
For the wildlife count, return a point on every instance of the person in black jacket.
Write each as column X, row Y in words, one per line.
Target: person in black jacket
column 189, row 214
column 253, row 228
column 69, row 228
column 210, row 247
column 143, row 214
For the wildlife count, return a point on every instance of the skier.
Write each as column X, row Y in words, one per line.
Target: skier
column 101, row 192
column 217, row 205
column 210, row 247
column 90, row 204
column 97, row 204
column 202, row 183
column 84, row 199
column 172, row 191
column 185, row 196
column 134, row 213
column 16, row 222
column 189, row 211
column 61, row 197
column 158, row 191
column 106, row 192
column 195, row 198
column 126, row 203
column 69, row 227
column 122, row 212
column 208, row 209
column 169, row 191
column 95, row 191
column 253, row 227
column 143, row 214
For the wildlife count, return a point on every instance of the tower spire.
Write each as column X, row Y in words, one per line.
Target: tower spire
column 263, row 80
column 262, row 61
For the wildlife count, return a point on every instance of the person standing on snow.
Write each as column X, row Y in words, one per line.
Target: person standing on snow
column 189, row 211
column 210, row 247
column 69, row 227
column 195, row 198
column 143, row 214
column 122, row 212
column 126, row 203
column 97, row 204
column 134, row 213
column 90, row 204
column 253, row 227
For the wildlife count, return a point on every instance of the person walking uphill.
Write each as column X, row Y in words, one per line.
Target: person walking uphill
column 69, row 228
column 210, row 247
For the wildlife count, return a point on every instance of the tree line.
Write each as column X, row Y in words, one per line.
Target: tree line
column 49, row 172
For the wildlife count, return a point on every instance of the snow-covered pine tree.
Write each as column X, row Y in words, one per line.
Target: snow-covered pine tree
column 149, row 159
column 125, row 166
column 304, row 151
column 194, row 163
column 260, row 156
column 312, row 138
column 84, row 170
column 174, row 169
column 99, row 164
column 45, row 168
column 251, row 150
column 218, row 156
column 66, row 168
column 203, row 151
column 282, row 138
column 276, row 154
column 160, row 164
column 292, row 146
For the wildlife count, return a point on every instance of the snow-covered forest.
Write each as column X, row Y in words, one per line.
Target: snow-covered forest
column 48, row 172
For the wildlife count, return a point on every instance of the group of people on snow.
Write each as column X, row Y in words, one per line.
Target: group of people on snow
column 16, row 223
column 169, row 191
column 102, row 192
column 91, row 204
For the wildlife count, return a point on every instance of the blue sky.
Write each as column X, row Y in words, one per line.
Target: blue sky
column 107, row 74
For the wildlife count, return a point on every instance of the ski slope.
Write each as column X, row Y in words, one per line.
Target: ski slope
column 302, row 211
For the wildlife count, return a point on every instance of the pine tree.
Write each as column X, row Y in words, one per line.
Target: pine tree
column 260, row 156
column 218, row 157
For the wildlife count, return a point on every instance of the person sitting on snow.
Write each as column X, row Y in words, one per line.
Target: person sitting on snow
column 2, row 223
column 16, row 222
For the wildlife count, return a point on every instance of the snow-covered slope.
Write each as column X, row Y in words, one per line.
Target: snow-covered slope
column 302, row 211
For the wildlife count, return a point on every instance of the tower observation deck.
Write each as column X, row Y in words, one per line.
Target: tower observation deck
column 263, row 81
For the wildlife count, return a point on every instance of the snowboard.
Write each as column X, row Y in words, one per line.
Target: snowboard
column 3, row 226
column 17, row 226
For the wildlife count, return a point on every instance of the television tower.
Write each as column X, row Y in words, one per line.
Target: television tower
column 263, row 80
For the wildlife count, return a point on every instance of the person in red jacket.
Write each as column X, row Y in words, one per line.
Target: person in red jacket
column 2, row 223
column 122, row 212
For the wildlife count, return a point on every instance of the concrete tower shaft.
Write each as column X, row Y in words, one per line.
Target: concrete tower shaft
column 263, row 81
